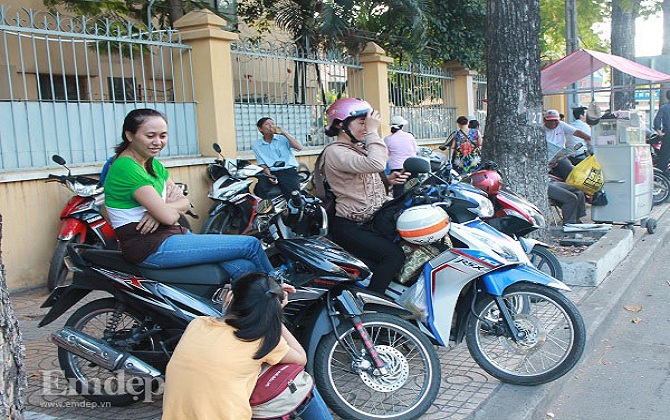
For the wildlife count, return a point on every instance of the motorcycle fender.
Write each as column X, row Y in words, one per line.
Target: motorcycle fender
column 71, row 227
column 528, row 244
column 495, row 282
column 322, row 326
column 60, row 300
column 382, row 304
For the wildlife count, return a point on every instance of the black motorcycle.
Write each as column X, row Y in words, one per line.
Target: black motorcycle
column 368, row 362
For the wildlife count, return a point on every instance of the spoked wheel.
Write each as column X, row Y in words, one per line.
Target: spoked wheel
column 354, row 391
column 661, row 190
column 110, row 320
column 545, row 260
column 553, row 335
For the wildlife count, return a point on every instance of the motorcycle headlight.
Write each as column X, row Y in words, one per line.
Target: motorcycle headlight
column 85, row 190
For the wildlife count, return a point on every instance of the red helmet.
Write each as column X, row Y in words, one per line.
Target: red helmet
column 345, row 108
column 487, row 180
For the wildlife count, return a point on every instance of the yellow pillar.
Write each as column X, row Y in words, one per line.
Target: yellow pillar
column 464, row 90
column 375, row 82
column 212, row 78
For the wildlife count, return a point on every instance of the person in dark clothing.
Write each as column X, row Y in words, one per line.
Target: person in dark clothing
column 662, row 127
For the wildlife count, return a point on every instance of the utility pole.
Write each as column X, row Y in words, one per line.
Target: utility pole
column 571, row 44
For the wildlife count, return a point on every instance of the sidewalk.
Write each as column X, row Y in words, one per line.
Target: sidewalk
column 467, row 392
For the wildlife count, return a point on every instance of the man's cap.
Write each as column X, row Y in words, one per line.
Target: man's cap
column 398, row 120
column 552, row 115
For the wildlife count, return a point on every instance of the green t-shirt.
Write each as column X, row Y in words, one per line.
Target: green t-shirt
column 125, row 176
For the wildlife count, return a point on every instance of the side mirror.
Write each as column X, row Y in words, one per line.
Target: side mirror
column 59, row 160
column 416, row 165
column 216, row 147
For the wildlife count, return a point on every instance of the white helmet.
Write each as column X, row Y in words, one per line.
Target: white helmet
column 423, row 224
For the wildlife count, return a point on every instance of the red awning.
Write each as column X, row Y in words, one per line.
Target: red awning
column 579, row 64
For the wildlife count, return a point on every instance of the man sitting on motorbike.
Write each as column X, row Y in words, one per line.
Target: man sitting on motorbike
column 275, row 146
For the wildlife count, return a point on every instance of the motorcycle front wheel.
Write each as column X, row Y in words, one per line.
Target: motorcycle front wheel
column 552, row 329
column 113, row 322
column 406, row 391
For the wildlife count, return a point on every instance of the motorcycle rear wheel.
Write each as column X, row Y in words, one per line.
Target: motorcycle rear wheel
column 406, row 392
column 554, row 335
column 545, row 260
column 93, row 382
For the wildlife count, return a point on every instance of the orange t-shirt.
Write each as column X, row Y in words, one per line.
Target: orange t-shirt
column 212, row 373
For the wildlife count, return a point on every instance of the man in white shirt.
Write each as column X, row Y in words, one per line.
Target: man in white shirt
column 561, row 134
column 581, row 152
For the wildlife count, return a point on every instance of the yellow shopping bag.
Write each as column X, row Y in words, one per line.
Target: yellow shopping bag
column 587, row 176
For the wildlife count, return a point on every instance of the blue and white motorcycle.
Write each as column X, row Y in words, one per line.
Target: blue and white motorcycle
column 518, row 324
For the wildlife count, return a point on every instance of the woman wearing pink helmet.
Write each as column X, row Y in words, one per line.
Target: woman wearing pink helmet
column 354, row 166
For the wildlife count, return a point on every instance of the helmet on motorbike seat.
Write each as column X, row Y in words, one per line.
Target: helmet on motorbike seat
column 487, row 180
column 423, row 224
column 345, row 108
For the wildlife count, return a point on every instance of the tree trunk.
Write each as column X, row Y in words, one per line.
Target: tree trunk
column 12, row 354
column 624, row 13
column 515, row 138
column 175, row 10
column 665, row 50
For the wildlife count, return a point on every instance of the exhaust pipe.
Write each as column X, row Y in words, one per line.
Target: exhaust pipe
column 101, row 353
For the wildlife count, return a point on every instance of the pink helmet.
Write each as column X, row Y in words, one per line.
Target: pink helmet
column 345, row 108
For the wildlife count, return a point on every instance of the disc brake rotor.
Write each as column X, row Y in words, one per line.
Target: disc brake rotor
column 534, row 333
column 396, row 366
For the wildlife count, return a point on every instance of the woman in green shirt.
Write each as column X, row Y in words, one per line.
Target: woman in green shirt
column 144, row 205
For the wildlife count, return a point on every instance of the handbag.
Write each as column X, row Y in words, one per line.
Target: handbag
column 280, row 390
column 587, row 176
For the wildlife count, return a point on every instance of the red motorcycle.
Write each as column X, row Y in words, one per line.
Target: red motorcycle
column 81, row 221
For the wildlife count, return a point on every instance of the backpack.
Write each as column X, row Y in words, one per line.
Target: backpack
column 280, row 390
column 321, row 188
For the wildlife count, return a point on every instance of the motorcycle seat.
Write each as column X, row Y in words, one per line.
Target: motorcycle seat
column 201, row 274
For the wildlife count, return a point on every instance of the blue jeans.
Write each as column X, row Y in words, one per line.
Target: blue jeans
column 237, row 254
column 316, row 409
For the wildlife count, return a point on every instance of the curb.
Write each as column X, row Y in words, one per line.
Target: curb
column 516, row 402
column 592, row 266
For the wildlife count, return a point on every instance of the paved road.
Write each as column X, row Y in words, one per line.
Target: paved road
column 626, row 374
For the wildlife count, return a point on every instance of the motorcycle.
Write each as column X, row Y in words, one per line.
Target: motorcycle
column 234, row 208
column 368, row 362
column 518, row 325
column 510, row 213
column 81, row 220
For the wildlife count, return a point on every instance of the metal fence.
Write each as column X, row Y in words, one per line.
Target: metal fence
column 66, row 83
column 291, row 86
column 424, row 97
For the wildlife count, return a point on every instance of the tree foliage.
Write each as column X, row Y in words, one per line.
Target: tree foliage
column 552, row 26
column 432, row 31
column 164, row 11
